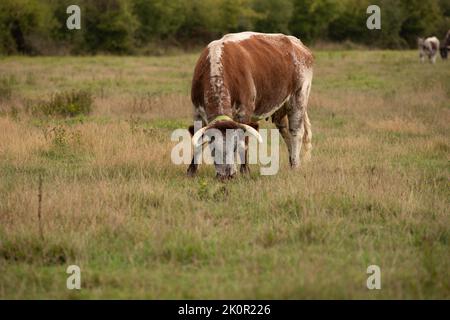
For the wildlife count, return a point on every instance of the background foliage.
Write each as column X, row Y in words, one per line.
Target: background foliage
column 143, row 26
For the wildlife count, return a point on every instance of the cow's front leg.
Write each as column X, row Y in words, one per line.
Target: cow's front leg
column 193, row 167
column 422, row 57
column 244, row 156
column 245, row 169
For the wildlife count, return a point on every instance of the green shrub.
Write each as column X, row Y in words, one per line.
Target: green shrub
column 67, row 104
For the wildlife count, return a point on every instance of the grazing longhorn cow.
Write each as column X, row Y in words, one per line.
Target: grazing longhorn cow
column 247, row 77
column 428, row 47
column 445, row 46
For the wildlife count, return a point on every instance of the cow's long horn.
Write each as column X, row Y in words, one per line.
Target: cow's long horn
column 197, row 136
column 253, row 132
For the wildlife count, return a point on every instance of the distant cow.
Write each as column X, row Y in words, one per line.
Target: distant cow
column 445, row 46
column 428, row 47
column 247, row 77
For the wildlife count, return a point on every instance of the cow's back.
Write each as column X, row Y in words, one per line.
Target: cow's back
column 250, row 71
column 432, row 43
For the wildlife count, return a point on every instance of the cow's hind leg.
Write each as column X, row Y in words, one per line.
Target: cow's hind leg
column 296, row 131
column 296, row 117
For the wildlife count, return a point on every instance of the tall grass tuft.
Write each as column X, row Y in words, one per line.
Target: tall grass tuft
column 66, row 104
column 6, row 87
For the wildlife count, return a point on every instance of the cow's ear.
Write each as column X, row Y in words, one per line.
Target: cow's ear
column 191, row 130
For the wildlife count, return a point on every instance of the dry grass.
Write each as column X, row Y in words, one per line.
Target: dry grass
column 376, row 191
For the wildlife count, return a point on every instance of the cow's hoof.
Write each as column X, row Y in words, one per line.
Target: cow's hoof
column 245, row 170
column 191, row 171
column 294, row 165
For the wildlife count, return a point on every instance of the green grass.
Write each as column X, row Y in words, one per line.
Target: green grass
column 376, row 191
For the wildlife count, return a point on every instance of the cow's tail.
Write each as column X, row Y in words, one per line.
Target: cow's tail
column 307, row 137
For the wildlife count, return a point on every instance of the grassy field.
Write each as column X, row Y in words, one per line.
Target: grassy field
column 376, row 191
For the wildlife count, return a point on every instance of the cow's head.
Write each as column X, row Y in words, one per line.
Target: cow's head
column 226, row 140
column 420, row 42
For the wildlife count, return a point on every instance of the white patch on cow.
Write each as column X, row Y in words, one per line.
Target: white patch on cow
column 295, row 40
column 216, row 73
column 299, row 61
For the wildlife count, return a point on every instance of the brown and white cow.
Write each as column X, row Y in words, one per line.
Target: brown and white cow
column 247, row 77
column 428, row 47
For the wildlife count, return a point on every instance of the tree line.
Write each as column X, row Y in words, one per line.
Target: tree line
column 149, row 26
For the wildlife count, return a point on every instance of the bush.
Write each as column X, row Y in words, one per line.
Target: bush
column 141, row 26
column 23, row 25
column 67, row 104
column 110, row 26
